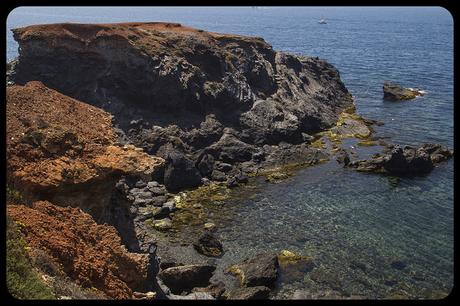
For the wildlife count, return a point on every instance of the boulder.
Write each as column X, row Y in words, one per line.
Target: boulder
column 216, row 290
column 205, row 164
column 394, row 92
column 185, row 278
column 407, row 160
column 208, row 245
column 180, row 173
column 260, row 270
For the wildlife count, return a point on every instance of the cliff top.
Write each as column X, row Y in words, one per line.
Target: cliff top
column 129, row 30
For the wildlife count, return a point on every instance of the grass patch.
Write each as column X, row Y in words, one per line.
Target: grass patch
column 22, row 280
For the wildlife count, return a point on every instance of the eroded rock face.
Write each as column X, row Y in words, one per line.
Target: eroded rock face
column 90, row 254
column 394, row 92
column 65, row 151
column 174, row 88
column 160, row 66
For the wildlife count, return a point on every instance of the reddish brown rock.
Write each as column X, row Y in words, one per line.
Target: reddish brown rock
column 65, row 151
column 89, row 253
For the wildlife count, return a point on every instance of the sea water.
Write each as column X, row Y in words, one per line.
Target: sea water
column 353, row 225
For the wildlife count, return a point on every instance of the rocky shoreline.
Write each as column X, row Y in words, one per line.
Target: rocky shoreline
column 140, row 125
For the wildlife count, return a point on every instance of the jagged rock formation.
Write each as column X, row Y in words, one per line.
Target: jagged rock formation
column 173, row 88
column 407, row 160
column 89, row 253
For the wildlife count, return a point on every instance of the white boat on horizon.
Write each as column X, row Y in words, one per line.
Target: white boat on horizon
column 322, row 21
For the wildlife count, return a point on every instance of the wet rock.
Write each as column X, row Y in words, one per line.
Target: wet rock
column 185, row 278
column 209, row 226
column 405, row 160
column 394, row 92
column 260, row 270
column 192, row 296
column 145, row 295
column 162, row 224
column 275, row 177
column 307, row 138
column 160, row 212
column 249, row 293
column 216, row 290
column 170, row 205
column 343, row 157
column 180, row 173
column 224, row 167
column 208, row 245
column 218, row 176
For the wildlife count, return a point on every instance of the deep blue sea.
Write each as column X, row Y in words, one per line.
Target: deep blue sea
column 353, row 225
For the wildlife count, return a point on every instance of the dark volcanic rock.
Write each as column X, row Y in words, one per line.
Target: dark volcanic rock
column 207, row 244
column 206, row 164
column 216, row 290
column 180, row 173
column 185, row 278
column 260, row 270
column 395, row 92
column 198, row 82
column 405, row 160
column 249, row 293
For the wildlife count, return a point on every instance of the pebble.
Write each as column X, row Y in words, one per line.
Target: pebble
column 210, row 226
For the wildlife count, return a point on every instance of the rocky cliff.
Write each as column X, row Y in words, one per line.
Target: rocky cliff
column 91, row 106
column 65, row 151
column 175, row 88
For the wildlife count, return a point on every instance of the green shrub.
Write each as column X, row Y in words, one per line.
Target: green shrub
column 22, row 279
column 13, row 195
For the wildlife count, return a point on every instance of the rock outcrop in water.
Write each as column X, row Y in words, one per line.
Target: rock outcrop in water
column 405, row 160
column 215, row 98
column 394, row 92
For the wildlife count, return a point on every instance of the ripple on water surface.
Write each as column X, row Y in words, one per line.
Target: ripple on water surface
column 355, row 226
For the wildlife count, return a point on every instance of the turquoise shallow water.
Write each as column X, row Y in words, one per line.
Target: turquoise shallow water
column 353, row 225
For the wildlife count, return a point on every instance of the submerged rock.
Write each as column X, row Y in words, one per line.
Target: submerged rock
column 395, row 92
column 216, row 290
column 185, row 278
column 208, row 245
column 260, row 270
column 248, row 293
column 405, row 160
